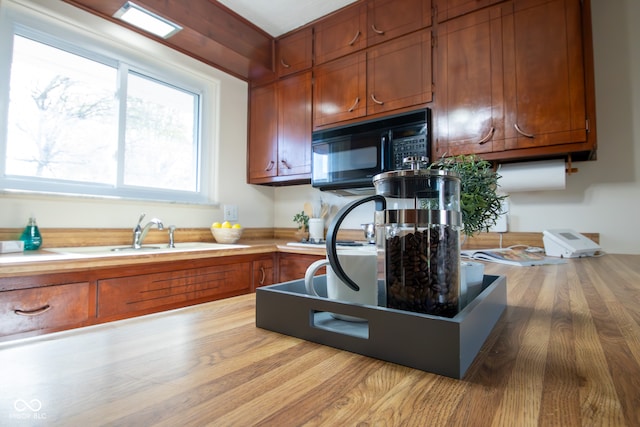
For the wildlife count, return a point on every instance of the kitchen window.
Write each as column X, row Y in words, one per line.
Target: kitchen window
column 83, row 118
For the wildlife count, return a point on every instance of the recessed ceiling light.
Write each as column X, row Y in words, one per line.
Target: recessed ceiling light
column 147, row 21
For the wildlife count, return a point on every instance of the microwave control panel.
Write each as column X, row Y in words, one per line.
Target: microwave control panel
column 413, row 146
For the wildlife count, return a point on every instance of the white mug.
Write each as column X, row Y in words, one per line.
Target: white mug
column 361, row 266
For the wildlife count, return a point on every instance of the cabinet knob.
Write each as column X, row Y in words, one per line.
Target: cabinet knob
column 355, row 38
column 284, row 64
column 354, row 104
column 488, row 136
column 270, row 166
column 375, row 30
column 285, row 164
column 374, row 99
column 34, row 312
column 264, row 275
column 521, row 132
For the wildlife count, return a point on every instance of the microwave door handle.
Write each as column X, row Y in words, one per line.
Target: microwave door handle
column 385, row 149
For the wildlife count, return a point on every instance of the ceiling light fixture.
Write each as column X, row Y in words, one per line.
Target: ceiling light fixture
column 147, row 21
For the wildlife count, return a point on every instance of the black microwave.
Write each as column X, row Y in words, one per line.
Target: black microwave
column 345, row 159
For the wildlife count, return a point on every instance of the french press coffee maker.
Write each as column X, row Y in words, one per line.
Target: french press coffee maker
column 418, row 223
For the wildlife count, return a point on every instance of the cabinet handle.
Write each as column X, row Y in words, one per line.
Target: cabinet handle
column 375, row 30
column 270, row 166
column 528, row 135
column 35, row 312
column 284, row 64
column 373, row 98
column 488, row 136
column 355, row 38
column 264, row 276
column 354, row 104
column 285, row 164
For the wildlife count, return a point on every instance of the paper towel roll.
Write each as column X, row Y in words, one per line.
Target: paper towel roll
column 532, row 176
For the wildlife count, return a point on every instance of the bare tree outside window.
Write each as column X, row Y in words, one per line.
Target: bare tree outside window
column 62, row 115
column 78, row 120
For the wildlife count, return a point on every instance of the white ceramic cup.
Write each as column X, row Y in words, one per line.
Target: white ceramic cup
column 316, row 229
column 471, row 277
column 361, row 266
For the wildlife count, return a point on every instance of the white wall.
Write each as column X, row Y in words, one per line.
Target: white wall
column 604, row 196
column 255, row 204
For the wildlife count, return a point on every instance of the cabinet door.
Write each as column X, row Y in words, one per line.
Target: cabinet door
column 388, row 19
column 447, row 9
column 469, row 112
column 294, row 52
column 294, row 266
column 294, row 126
column 263, row 134
column 399, row 73
column 125, row 296
column 44, row 308
column 544, row 74
column 341, row 34
column 340, row 90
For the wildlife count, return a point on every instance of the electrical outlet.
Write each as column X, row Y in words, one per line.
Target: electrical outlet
column 501, row 224
column 230, row 212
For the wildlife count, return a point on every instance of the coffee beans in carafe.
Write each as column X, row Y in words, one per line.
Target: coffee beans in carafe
column 422, row 247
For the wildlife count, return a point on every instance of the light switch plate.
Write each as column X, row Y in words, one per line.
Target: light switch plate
column 230, row 212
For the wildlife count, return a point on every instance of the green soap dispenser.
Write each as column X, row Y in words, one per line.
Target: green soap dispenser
column 31, row 236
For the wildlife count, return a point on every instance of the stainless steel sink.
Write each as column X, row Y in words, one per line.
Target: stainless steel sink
column 120, row 250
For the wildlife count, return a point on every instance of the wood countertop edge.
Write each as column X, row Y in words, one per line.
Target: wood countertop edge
column 65, row 263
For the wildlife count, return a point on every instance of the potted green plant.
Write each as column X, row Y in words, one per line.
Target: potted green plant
column 480, row 203
column 302, row 219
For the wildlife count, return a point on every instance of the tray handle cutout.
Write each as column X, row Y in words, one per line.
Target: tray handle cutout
column 335, row 322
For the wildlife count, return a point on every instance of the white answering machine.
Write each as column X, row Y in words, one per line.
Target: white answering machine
column 567, row 243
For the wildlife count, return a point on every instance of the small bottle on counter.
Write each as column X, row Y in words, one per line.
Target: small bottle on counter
column 31, row 236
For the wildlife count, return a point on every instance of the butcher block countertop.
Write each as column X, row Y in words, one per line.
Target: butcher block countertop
column 565, row 352
column 46, row 261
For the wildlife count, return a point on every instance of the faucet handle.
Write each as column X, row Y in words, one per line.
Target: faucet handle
column 142, row 215
column 172, row 229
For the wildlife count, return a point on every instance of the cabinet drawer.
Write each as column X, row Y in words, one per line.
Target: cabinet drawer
column 150, row 292
column 47, row 307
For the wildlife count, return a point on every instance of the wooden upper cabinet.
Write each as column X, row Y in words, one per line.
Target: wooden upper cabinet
column 399, row 73
column 279, row 146
column 339, row 90
column 263, row 133
column 388, row 19
column 294, row 126
column 448, row 9
column 294, row 52
column 469, row 108
column 544, row 72
column 511, row 82
column 342, row 33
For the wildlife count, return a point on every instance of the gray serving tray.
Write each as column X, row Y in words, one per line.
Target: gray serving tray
column 444, row 346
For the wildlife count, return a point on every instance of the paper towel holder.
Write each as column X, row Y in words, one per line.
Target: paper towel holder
column 569, row 170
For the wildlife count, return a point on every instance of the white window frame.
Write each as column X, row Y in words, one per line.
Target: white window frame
column 64, row 23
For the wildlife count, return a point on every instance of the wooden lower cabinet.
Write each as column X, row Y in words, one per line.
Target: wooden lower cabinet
column 294, row 266
column 154, row 292
column 46, row 308
column 32, row 305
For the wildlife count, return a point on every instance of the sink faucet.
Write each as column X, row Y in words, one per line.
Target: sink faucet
column 139, row 233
